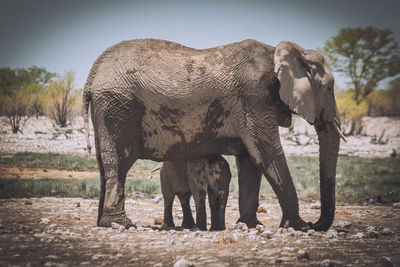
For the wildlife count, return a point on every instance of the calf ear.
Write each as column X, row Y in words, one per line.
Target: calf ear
column 295, row 80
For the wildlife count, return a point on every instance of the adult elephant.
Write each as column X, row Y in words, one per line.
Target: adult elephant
column 159, row 100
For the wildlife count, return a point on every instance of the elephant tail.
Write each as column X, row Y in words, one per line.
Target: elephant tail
column 85, row 114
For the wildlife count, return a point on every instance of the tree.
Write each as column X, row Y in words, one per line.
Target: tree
column 15, row 107
column 21, row 91
column 365, row 55
column 378, row 103
column 63, row 96
column 350, row 112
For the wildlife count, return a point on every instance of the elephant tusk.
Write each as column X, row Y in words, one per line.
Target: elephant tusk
column 339, row 132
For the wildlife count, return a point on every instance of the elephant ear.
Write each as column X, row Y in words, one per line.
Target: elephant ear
column 295, row 80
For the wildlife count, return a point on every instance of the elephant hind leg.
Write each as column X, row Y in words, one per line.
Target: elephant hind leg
column 113, row 165
column 188, row 221
column 102, row 181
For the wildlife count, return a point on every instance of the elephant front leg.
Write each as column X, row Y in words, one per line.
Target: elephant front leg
column 249, row 189
column 168, row 219
column 214, row 207
column 223, row 199
column 188, row 221
column 201, row 214
column 279, row 177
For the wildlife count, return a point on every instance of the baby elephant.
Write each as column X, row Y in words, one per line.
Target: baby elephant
column 184, row 178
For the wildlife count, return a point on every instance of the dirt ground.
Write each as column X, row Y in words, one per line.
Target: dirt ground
column 62, row 232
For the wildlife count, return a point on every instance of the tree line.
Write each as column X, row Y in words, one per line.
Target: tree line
column 366, row 56
column 34, row 92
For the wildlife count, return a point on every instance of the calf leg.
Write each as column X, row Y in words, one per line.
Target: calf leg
column 188, row 221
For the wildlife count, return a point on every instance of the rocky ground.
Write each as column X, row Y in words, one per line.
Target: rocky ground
column 379, row 137
column 62, row 232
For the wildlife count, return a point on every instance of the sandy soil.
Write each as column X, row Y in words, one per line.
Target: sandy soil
column 56, row 232
column 61, row 232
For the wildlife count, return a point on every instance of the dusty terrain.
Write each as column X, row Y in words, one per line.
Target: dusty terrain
column 61, row 232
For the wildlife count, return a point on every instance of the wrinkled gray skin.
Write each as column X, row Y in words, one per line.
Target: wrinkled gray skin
column 183, row 178
column 158, row 100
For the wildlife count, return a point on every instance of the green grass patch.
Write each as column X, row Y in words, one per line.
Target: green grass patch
column 357, row 178
column 48, row 161
column 85, row 188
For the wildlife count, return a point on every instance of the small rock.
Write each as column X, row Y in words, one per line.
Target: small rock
column 180, row 216
column 252, row 234
column 77, row 204
column 236, row 236
column 373, row 234
column 345, row 225
column 331, row 234
column 261, row 209
column 386, row 262
column 255, row 248
column 28, row 202
column 370, row 228
column 396, row 205
column 53, row 226
column 359, row 235
column 117, row 226
column 311, row 232
column 387, row 232
column 183, row 263
column 157, row 199
column 54, row 257
column 241, row 226
column 327, row 263
column 158, row 221
column 44, row 221
column 267, row 234
column 303, row 255
column 130, row 201
column 260, row 228
column 158, row 264
column 315, row 206
column 172, row 232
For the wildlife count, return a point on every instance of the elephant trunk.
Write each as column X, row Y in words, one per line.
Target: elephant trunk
column 329, row 141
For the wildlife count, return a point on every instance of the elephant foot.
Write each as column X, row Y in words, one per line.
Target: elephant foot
column 251, row 222
column 319, row 226
column 188, row 225
column 296, row 224
column 200, row 227
column 216, row 228
column 120, row 218
column 169, row 225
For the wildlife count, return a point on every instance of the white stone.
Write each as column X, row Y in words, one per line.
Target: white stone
column 183, row 263
column 267, row 234
column 44, row 221
column 331, row 234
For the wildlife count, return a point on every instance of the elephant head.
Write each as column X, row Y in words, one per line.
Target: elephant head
column 306, row 87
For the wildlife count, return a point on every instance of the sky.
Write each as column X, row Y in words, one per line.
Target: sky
column 70, row 35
